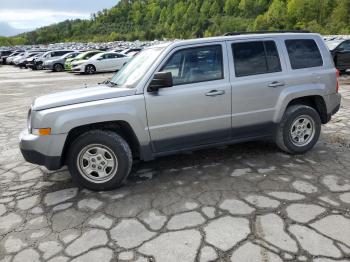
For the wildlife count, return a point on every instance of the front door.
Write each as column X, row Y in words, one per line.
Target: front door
column 197, row 109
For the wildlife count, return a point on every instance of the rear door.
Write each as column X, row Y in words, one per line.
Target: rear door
column 257, row 78
column 115, row 62
column 102, row 63
column 197, row 109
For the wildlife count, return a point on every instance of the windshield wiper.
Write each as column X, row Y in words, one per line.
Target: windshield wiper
column 109, row 83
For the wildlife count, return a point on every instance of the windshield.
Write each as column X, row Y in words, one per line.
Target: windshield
column 132, row 72
column 332, row 44
column 70, row 55
column 86, row 55
column 47, row 54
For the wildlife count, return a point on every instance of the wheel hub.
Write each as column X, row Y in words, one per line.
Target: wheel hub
column 302, row 130
column 97, row 163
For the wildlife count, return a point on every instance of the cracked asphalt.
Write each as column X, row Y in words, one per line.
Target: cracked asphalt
column 246, row 202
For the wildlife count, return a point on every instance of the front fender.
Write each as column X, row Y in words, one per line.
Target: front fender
column 130, row 109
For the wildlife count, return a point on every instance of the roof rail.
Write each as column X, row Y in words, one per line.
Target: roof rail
column 265, row 32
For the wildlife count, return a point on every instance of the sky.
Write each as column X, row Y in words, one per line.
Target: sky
column 17, row 16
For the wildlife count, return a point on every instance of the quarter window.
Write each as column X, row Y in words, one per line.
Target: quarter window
column 303, row 53
column 195, row 65
column 254, row 58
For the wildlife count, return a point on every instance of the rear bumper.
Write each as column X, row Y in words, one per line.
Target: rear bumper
column 333, row 105
column 77, row 69
column 67, row 67
column 30, row 65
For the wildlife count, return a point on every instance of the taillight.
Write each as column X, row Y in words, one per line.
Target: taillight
column 338, row 75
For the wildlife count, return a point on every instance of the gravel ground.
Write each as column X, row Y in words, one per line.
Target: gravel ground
column 246, row 202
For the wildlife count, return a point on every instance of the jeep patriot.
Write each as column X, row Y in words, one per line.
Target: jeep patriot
column 187, row 95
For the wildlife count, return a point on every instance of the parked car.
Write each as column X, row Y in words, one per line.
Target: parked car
column 38, row 63
column 131, row 51
column 340, row 50
column 57, row 64
column 19, row 57
column 10, row 57
column 29, row 61
column 81, row 57
column 26, row 58
column 102, row 62
column 183, row 96
column 4, row 54
column 32, row 63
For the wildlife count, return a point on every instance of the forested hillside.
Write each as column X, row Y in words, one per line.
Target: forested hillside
column 150, row 19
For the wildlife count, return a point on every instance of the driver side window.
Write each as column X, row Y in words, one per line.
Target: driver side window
column 194, row 65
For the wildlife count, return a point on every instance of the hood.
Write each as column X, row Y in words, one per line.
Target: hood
column 80, row 96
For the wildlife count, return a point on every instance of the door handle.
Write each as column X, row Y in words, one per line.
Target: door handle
column 215, row 93
column 276, row 84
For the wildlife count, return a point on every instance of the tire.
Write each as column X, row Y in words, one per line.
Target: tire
column 58, row 68
column 90, row 69
column 39, row 66
column 287, row 137
column 99, row 147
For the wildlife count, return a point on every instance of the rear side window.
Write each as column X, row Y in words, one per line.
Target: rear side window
column 303, row 53
column 61, row 53
column 254, row 58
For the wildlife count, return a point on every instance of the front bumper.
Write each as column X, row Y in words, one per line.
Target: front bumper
column 31, row 65
column 34, row 157
column 42, row 150
column 78, row 69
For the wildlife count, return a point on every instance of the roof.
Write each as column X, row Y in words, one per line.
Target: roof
column 236, row 37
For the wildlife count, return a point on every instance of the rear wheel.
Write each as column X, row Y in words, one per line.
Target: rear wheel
column 99, row 160
column 90, row 69
column 299, row 129
column 58, row 68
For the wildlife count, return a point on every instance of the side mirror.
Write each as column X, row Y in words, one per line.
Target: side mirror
column 160, row 80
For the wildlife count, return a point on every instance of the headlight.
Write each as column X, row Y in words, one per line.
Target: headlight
column 29, row 121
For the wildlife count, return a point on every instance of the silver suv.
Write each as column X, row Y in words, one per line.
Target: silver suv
column 184, row 96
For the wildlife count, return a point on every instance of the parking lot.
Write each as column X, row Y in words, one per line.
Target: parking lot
column 245, row 202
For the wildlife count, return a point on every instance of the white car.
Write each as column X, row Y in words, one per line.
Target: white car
column 103, row 62
column 12, row 60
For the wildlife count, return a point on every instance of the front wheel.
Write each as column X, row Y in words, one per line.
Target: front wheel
column 58, row 68
column 39, row 66
column 99, row 160
column 298, row 130
column 90, row 69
